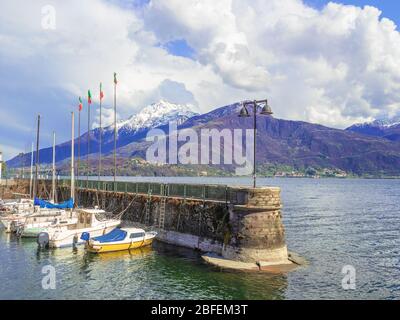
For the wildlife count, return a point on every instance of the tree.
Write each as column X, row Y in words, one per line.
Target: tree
column 310, row 171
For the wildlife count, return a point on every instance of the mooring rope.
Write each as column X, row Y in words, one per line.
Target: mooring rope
column 97, row 197
column 119, row 216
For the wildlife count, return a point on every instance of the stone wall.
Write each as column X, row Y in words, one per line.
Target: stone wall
column 247, row 228
column 192, row 223
column 9, row 189
column 256, row 225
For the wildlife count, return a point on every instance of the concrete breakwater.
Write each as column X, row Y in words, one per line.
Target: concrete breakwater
column 238, row 224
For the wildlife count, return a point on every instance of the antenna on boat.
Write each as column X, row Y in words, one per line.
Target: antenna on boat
column 72, row 159
column 53, row 186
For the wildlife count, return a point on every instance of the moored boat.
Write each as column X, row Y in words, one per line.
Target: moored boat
column 59, row 236
column 42, row 217
column 33, row 230
column 27, row 214
column 121, row 239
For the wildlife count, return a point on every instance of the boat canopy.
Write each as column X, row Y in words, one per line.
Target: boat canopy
column 69, row 204
column 114, row 235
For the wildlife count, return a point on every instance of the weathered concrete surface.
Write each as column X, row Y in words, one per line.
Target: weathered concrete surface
column 293, row 261
column 257, row 229
column 226, row 264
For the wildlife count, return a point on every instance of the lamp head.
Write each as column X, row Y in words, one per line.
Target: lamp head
column 244, row 113
column 266, row 110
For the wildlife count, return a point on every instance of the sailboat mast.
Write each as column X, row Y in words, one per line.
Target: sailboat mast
column 35, row 185
column 72, row 157
column 31, row 180
column 88, row 139
column 100, row 132
column 53, row 190
column 115, row 127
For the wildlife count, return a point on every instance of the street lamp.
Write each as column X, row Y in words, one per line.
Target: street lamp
column 244, row 113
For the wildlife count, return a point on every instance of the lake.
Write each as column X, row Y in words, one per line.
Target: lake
column 330, row 222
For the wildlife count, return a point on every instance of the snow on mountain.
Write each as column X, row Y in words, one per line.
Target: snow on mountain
column 155, row 115
column 380, row 123
column 386, row 128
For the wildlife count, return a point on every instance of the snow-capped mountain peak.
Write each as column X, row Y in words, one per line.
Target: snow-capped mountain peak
column 157, row 114
column 383, row 123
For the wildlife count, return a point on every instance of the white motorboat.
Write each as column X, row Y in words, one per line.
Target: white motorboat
column 59, row 236
column 15, row 206
column 7, row 219
column 31, row 229
column 40, row 218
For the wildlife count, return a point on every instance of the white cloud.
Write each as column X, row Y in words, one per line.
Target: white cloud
column 335, row 66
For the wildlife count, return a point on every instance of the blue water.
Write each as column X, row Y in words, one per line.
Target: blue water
column 330, row 222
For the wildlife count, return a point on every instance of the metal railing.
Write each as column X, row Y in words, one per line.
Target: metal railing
column 186, row 191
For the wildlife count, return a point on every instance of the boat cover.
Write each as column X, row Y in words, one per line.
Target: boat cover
column 69, row 204
column 114, row 235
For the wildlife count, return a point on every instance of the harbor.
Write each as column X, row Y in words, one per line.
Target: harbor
column 237, row 224
column 194, row 150
column 329, row 222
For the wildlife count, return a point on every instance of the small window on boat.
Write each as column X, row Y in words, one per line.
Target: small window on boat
column 137, row 235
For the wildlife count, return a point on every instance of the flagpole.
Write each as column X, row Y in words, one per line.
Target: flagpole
column 115, row 127
column 79, row 142
column 72, row 159
column 88, row 142
column 30, row 182
column 100, row 133
column 35, row 186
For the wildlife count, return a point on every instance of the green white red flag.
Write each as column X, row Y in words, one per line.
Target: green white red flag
column 101, row 92
column 80, row 104
column 89, row 97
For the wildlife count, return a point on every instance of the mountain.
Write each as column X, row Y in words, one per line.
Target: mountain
column 295, row 144
column 386, row 128
column 132, row 129
column 153, row 116
column 298, row 144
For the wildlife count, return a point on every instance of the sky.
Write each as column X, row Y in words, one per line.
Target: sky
column 333, row 63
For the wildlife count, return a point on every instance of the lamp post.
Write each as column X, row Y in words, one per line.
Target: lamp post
column 244, row 113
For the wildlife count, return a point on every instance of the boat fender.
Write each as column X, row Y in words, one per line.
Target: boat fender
column 75, row 240
column 43, row 239
column 85, row 236
column 19, row 231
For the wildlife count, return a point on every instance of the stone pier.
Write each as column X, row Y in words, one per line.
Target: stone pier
column 241, row 230
column 257, row 229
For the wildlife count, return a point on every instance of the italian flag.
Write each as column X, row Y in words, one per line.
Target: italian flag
column 80, row 104
column 89, row 97
column 101, row 92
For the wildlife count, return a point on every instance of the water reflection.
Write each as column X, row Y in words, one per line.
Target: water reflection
column 330, row 222
column 162, row 272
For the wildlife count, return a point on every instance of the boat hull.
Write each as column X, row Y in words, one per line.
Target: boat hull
column 73, row 238
column 6, row 223
column 112, row 247
column 33, row 232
